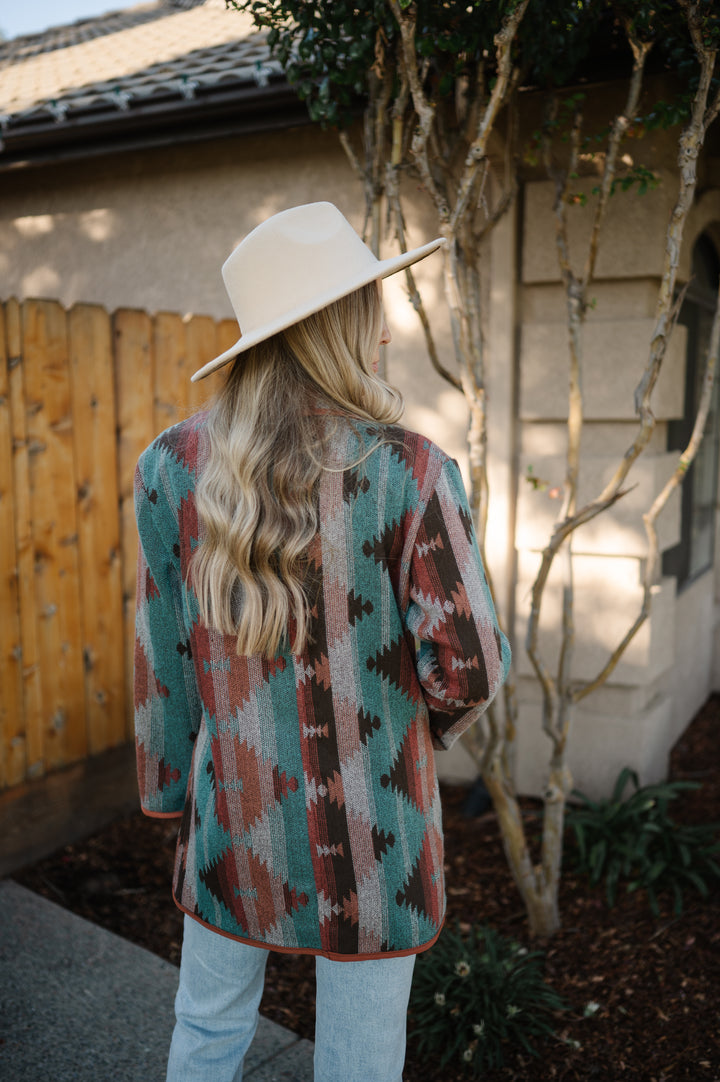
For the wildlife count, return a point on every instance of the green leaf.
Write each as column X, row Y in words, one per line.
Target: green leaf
column 597, row 859
column 656, row 870
column 611, row 882
column 625, row 775
column 636, row 841
column 504, row 989
column 698, row 882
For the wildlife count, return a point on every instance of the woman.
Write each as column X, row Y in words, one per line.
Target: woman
column 312, row 620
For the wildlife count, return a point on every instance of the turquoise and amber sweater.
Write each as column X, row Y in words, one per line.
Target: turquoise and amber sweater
column 306, row 784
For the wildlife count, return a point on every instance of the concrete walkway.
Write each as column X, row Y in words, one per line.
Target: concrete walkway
column 79, row 1003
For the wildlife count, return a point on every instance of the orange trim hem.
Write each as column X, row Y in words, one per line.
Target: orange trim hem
column 312, row 950
column 161, row 815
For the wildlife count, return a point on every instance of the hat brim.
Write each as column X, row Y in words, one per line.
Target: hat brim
column 382, row 269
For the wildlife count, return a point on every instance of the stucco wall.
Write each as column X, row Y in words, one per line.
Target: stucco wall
column 667, row 670
column 151, row 230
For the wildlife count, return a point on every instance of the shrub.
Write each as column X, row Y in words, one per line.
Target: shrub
column 637, row 841
column 475, row 995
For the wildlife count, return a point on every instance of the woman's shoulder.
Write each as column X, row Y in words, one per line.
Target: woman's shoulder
column 178, row 445
column 413, row 449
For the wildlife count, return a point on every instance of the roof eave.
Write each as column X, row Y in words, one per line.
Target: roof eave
column 243, row 109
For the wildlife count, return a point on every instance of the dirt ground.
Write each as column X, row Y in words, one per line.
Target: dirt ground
column 656, row 979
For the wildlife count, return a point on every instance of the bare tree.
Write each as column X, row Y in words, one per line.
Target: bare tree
column 561, row 692
column 431, row 113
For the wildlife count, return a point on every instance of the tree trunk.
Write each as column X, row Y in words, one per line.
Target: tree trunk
column 540, row 897
column 543, row 913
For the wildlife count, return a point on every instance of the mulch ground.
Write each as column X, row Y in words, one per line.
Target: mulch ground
column 656, row 979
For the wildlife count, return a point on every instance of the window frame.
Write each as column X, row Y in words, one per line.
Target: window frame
column 696, row 314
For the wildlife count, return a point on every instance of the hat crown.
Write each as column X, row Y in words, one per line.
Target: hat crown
column 291, row 261
column 294, row 264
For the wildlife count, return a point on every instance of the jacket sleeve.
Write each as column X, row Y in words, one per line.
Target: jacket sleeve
column 463, row 657
column 167, row 703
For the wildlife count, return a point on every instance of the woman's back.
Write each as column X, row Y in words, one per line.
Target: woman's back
column 312, row 620
column 314, row 819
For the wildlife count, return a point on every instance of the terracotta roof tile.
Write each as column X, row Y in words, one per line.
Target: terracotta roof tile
column 169, row 47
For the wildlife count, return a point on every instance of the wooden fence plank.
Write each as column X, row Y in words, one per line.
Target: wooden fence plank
column 77, row 407
column 54, row 525
column 171, row 370
column 134, row 381
column 96, row 478
column 25, row 549
column 227, row 332
column 207, row 339
column 12, row 713
column 200, row 347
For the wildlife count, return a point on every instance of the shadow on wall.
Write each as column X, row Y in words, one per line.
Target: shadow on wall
column 33, row 237
column 133, row 248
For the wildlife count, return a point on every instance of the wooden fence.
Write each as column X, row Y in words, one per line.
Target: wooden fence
column 82, row 393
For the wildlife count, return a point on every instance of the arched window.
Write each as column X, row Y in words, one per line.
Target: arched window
column 694, row 554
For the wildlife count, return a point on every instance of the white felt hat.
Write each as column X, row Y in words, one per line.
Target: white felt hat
column 294, row 264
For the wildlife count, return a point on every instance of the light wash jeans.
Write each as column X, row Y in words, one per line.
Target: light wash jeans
column 361, row 1011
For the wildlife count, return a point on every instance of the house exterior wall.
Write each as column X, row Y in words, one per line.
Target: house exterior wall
column 670, row 667
column 150, row 230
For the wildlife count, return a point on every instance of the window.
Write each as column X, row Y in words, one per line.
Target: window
column 694, row 554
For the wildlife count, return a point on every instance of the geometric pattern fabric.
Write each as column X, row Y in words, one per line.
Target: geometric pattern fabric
column 306, row 784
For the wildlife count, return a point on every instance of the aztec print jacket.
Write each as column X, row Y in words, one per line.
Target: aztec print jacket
column 306, row 784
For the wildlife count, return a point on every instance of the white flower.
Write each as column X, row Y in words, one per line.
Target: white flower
column 468, row 1055
column 479, row 1028
column 462, row 968
column 512, row 1011
column 440, row 999
column 591, row 1008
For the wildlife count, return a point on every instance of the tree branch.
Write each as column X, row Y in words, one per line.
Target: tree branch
column 650, row 518
column 511, row 181
column 691, row 141
column 666, row 310
column 478, row 151
column 506, row 201
column 380, row 105
column 393, row 197
column 640, row 51
column 555, row 690
column 406, row 20
column 398, row 123
column 364, row 175
column 713, row 111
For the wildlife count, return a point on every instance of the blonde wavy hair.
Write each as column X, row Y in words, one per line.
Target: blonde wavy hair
column 256, row 498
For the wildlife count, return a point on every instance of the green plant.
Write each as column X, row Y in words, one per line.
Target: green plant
column 636, row 840
column 474, row 995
